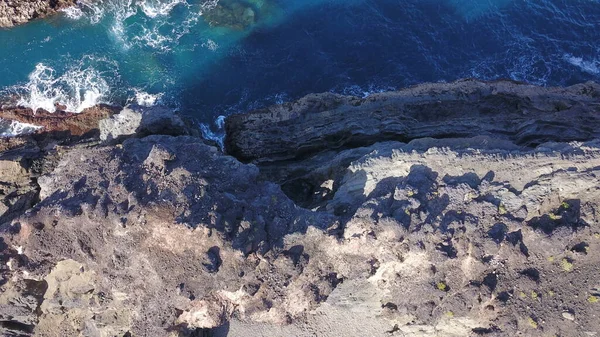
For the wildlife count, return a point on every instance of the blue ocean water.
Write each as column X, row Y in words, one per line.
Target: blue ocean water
column 170, row 52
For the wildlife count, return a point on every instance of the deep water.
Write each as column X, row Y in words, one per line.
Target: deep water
column 118, row 51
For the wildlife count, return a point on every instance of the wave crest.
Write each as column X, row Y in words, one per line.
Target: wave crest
column 14, row 128
column 79, row 87
column 146, row 99
column 591, row 67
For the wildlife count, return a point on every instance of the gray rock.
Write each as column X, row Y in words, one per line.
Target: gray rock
column 142, row 121
column 125, row 123
column 527, row 115
column 568, row 315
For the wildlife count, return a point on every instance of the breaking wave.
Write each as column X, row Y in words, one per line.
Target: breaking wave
column 589, row 66
column 215, row 133
column 14, row 128
column 146, row 99
column 79, row 87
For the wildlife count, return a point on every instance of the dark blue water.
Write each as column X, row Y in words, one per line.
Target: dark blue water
column 120, row 49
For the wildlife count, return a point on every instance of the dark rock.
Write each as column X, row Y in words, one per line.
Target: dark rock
column 525, row 114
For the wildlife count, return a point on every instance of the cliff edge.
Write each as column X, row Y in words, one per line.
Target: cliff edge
column 459, row 209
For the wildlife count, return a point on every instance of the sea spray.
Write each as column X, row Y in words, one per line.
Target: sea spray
column 216, row 134
column 146, row 99
column 589, row 66
column 14, row 128
column 154, row 8
column 79, row 87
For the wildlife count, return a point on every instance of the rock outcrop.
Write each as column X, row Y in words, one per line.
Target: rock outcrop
column 67, row 124
column 15, row 12
column 25, row 158
column 165, row 235
column 141, row 121
column 524, row 114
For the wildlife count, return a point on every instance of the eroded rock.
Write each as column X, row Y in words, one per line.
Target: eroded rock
column 142, row 121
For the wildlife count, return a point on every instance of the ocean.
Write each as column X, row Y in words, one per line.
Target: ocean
column 215, row 58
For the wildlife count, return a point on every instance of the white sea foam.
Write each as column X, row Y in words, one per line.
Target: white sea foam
column 14, row 128
column 79, row 87
column 153, row 28
column 146, row 99
column 154, row 39
column 218, row 134
column 363, row 92
column 208, row 5
column 73, row 12
column 93, row 11
column 154, row 8
column 591, row 66
column 210, row 45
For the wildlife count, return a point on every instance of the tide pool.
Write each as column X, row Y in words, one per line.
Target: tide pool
column 212, row 58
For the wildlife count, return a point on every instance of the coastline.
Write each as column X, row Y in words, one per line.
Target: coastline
column 469, row 208
column 372, row 228
column 17, row 12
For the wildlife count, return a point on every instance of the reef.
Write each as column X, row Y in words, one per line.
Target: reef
column 235, row 15
column 457, row 209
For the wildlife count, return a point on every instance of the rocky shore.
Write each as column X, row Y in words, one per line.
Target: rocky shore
column 461, row 209
column 16, row 12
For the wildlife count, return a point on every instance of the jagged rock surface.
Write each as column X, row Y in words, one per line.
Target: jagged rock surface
column 26, row 157
column 16, row 12
column 166, row 235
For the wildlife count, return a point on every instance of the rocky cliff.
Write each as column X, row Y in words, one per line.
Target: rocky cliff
column 15, row 12
column 458, row 209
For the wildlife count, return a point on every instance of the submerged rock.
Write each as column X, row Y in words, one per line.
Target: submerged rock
column 231, row 14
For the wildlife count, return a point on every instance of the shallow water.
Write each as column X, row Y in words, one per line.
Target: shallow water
column 166, row 51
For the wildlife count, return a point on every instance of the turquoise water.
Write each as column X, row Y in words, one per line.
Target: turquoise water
column 181, row 54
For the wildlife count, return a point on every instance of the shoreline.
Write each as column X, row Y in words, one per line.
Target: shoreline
column 355, row 227
column 22, row 11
